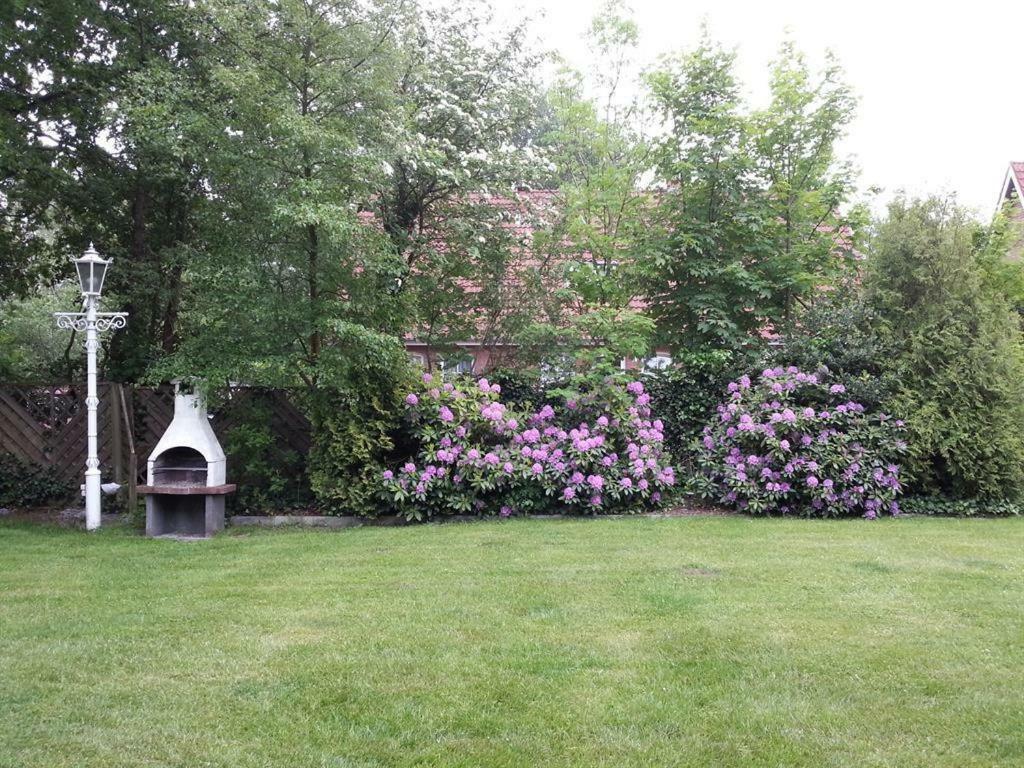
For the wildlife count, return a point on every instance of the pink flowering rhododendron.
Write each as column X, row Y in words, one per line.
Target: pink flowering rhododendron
column 800, row 447
column 593, row 452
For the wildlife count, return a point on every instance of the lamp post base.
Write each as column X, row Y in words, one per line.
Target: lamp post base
column 92, row 499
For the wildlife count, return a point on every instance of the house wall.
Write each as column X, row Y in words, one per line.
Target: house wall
column 1013, row 206
column 484, row 358
column 1016, row 217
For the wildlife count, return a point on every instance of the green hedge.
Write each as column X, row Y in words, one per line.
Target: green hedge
column 685, row 396
column 937, row 506
column 24, row 484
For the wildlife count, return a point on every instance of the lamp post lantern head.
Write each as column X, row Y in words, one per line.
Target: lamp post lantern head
column 91, row 271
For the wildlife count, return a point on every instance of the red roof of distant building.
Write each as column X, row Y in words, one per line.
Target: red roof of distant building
column 1013, row 186
column 527, row 211
column 1018, row 171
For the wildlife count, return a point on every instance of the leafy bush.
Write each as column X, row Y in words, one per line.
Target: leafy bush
column 838, row 330
column 685, row 395
column 354, row 435
column 32, row 347
column 956, row 368
column 23, row 484
column 596, row 453
column 791, row 442
column 522, row 387
column 269, row 475
column 938, row 506
column 355, row 413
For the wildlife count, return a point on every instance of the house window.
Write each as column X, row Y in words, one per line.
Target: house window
column 456, row 365
column 418, row 358
column 658, row 363
column 556, row 368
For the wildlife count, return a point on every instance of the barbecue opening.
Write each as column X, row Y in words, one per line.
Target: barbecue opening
column 180, row 466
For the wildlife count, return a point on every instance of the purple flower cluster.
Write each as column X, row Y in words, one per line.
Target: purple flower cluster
column 791, row 442
column 601, row 451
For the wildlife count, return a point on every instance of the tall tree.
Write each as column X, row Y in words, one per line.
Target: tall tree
column 55, row 78
column 808, row 186
column 704, row 265
column 79, row 165
column 599, row 154
column 750, row 210
column 956, row 367
column 461, row 144
column 292, row 279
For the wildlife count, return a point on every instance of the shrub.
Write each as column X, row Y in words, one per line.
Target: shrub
column 32, row 348
column 597, row 453
column 838, row 330
column 936, row 506
column 522, row 387
column 24, row 484
column 791, row 442
column 270, row 476
column 956, row 371
column 685, row 395
column 356, row 432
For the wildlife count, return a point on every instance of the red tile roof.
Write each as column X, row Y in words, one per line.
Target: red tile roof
column 522, row 215
column 1018, row 171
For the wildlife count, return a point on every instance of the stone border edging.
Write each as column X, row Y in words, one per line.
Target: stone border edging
column 349, row 521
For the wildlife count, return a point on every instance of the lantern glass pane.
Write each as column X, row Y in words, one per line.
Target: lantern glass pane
column 90, row 276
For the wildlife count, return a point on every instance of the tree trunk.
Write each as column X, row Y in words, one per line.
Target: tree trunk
column 169, row 332
column 313, row 248
column 121, row 358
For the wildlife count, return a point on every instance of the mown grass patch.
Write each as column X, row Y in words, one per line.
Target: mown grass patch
column 607, row 642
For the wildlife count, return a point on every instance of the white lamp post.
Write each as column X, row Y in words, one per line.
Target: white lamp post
column 91, row 271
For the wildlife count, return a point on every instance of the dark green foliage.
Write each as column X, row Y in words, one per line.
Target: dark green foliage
column 685, row 396
column 749, row 221
column 356, row 433
column 838, row 331
column 23, row 484
column 32, row 348
column 520, row 387
column 74, row 169
column 269, row 475
column 937, row 506
column 48, row 125
column 956, row 368
column 529, row 388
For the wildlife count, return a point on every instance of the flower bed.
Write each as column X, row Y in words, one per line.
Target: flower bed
column 792, row 442
column 595, row 452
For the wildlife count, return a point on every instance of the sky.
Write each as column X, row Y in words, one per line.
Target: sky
column 941, row 84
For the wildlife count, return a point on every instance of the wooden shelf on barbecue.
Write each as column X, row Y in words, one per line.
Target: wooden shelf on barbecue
column 188, row 490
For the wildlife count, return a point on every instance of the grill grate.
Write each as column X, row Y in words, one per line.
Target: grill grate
column 179, row 476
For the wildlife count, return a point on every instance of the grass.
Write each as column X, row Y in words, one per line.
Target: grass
column 626, row 642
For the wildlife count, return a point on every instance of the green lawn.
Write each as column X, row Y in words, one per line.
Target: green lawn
column 617, row 642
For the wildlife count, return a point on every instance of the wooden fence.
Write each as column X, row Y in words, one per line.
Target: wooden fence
column 46, row 425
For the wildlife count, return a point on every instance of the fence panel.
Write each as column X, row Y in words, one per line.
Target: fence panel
column 46, row 425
